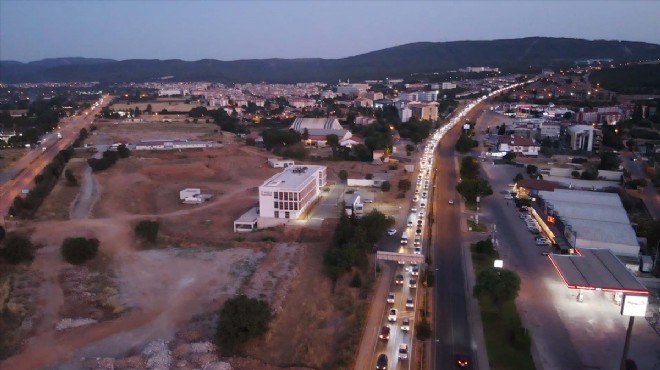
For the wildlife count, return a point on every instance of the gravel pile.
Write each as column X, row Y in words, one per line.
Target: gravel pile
column 158, row 355
column 73, row 323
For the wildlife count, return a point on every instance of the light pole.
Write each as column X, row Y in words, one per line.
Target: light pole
column 478, row 199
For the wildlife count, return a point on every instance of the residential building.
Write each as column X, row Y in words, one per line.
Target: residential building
column 550, row 129
column 405, row 114
column 373, row 95
column 448, row 86
column 352, row 89
column 584, row 137
column 280, row 163
column 6, row 135
column 288, row 194
column 424, row 111
column 169, row 92
column 428, row 96
column 519, row 145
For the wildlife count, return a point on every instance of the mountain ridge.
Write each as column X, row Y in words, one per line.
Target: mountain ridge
column 397, row 61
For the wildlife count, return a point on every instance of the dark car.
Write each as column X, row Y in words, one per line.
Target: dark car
column 462, row 361
column 381, row 364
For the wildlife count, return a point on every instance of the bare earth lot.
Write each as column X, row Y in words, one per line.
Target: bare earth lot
column 136, row 308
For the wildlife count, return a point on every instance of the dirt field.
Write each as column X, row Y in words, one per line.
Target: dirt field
column 131, row 307
column 9, row 156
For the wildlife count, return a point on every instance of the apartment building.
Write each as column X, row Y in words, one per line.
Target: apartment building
column 585, row 137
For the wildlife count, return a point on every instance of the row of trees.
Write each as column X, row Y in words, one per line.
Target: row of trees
column 109, row 158
column 43, row 184
column 352, row 240
column 472, row 185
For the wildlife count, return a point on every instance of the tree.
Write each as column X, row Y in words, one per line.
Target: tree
column 385, row 186
column 77, row 251
column 147, row 230
column 332, row 140
column 470, row 189
column 509, row 156
column 423, row 330
column 404, row 185
column 305, row 134
column 241, row 319
column 123, row 151
column 148, row 109
column 498, row 285
column 464, row 143
column 531, row 169
column 71, row 179
column 343, row 175
column 470, row 167
column 17, row 249
column 2, row 233
column 410, row 148
column 589, row 173
column 575, row 174
column 519, row 176
column 609, row 161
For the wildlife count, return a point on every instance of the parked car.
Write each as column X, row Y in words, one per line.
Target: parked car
column 391, row 316
column 391, row 231
column 451, row 201
column 390, row 297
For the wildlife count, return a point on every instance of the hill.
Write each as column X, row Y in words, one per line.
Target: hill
column 633, row 79
column 399, row 61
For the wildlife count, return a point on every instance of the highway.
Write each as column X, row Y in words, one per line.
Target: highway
column 21, row 175
column 450, row 318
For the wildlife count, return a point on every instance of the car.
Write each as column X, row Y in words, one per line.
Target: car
column 413, row 283
column 381, row 363
column 416, row 191
column 462, row 361
column 418, row 232
column 413, row 209
column 403, row 351
column 418, row 241
column 402, row 263
column 414, row 271
column 398, row 279
column 420, row 222
column 417, row 250
column 410, row 223
column 410, row 303
column 422, row 205
column 424, row 194
column 390, row 297
column 542, row 243
column 415, row 198
column 545, row 253
column 391, row 231
column 420, row 214
column 391, row 316
column 405, row 324
column 384, row 332
column 451, row 201
column 508, row 196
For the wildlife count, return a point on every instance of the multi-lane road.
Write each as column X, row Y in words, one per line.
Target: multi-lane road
column 21, row 174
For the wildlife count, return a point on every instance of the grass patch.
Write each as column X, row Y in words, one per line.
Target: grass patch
column 479, row 228
column 507, row 341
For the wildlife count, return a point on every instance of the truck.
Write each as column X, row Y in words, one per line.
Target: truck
column 404, row 237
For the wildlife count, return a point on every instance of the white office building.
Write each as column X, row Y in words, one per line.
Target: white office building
column 288, row 194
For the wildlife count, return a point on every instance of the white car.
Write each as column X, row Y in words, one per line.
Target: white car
column 420, row 214
column 391, row 231
column 413, row 209
column 390, row 297
column 405, row 325
column 403, row 351
column 391, row 316
column 410, row 303
column 451, row 201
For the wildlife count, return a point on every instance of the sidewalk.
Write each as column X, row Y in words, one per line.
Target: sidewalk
column 369, row 339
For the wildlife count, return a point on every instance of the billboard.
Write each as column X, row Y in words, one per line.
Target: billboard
column 634, row 305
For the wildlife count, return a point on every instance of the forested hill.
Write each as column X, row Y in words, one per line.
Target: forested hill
column 396, row 62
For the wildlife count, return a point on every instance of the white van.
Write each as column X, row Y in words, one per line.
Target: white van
column 404, row 237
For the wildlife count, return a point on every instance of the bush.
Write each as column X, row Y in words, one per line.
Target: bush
column 404, row 185
column 147, row 230
column 423, row 330
column 356, row 281
column 17, row 249
column 123, row 151
column 519, row 176
column 575, row 174
column 70, row 178
column 241, row 319
column 79, row 250
column 343, row 175
column 369, row 176
column 485, row 247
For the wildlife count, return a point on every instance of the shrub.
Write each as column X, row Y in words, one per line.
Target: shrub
column 79, row 250
column 70, row 178
column 123, row 151
column 147, row 230
column 369, row 176
column 241, row 319
column 385, row 186
column 356, row 281
column 343, row 175
column 17, row 249
column 575, row 174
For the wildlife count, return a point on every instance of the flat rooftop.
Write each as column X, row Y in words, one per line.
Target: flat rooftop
column 292, row 177
column 596, row 269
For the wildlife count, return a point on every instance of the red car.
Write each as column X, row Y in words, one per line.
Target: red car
column 384, row 333
column 462, row 361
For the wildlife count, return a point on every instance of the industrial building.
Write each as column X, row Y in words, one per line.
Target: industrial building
column 589, row 219
column 288, row 194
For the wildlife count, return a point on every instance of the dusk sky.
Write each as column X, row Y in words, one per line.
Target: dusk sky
column 230, row 30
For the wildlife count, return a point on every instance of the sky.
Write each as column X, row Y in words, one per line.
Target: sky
column 230, row 30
